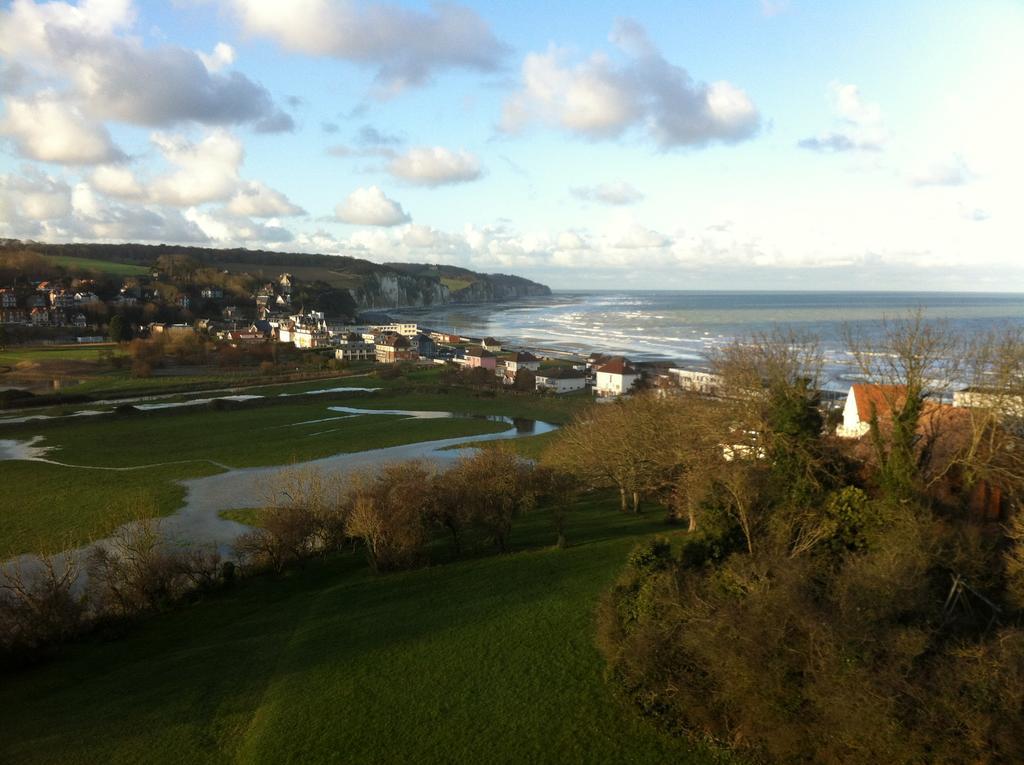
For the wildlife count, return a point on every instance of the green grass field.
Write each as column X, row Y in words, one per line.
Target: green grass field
column 99, row 266
column 50, row 505
column 12, row 356
column 489, row 660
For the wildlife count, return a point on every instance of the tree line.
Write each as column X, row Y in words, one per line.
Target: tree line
column 833, row 600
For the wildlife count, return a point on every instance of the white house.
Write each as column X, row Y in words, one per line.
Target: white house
column 305, row 330
column 1005, row 403
column 865, row 401
column 516, row 361
column 561, row 380
column 352, row 347
column 696, row 380
column 403, row 328
column 615, row 377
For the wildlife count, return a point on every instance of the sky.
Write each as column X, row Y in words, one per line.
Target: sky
column 709, row 144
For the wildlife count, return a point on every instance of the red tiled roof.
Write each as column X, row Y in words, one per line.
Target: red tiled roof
column 618, row 366
column 880, row 399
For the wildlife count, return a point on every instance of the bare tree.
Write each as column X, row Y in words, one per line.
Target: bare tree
column 39, row 604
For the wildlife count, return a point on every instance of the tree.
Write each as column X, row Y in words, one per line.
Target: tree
column 389, row 514
column 118, row 329
column 494, row 486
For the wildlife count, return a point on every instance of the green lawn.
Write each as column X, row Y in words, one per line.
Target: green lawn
column 489, row 660
column 48, row 505
column 550, row 409
column 52, row 508
column 102, row 266
column 12, row 356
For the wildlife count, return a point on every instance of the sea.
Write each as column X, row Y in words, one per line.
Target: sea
column 685, row 327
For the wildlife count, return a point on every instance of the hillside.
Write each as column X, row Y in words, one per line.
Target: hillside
column 482, row 660
column 371, row 285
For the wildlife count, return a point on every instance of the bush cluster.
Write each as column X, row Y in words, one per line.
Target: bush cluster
column 48, row 600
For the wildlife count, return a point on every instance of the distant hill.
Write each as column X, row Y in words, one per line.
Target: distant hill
column 371, row 285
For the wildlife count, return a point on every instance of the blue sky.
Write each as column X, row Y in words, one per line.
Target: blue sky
column 745, row 144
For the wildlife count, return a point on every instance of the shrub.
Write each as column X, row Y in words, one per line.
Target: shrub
column 39, row 604
column 389, row 514
column 139, row 570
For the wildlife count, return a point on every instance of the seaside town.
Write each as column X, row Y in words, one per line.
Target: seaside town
column 78, row 310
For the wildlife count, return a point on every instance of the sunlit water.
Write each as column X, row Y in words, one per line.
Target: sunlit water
column 686, row 326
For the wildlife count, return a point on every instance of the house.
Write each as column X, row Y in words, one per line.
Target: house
column 183, row 301
column 490, row 344
column 696, row 380
column 480, row 357
column 40, row 317
column 425, row 346
column 212, row 293
column 236, row 338
column 517, row 361
column 391, row 347
column 595, row 360
column 561, row 380
column 406, row 328
column 84, row 298
column 62, row 300
column 261, row 327
column 13, row 316
column 8, row 298
column 1005, row 403
column 445, row 337
column 79, row 320
column 352, row 347
column 171, row 330
column 305, row 330
column 867, row 400
column 285, row 282
column 615, row 377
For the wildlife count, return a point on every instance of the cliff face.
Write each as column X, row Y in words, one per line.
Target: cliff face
column 460, row 285
column 388, row 290
column 391, row 289
column 490, row 290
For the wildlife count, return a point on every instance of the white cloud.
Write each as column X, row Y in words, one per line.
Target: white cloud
column 617, row 193
column 435, row 166
column 222, row 56
column 948, row 171
column 117, row 181
column 34, row 196
column 407, row 47
column 860, row 127
column 110, row 76
column 206, row 171
column 35, row 205
column 227, row 229
column 257, row 200
column 601, row 98
column 48, row 128
column 371, row 207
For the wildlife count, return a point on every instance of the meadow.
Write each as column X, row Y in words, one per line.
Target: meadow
column 111, row 267
column 483, row 660
column 56, row 506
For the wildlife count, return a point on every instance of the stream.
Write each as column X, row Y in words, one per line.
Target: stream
column 198, row 521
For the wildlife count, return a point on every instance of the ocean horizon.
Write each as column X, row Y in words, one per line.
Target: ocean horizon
column 686, row 326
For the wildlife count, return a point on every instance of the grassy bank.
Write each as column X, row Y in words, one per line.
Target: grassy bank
column 488, row 660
